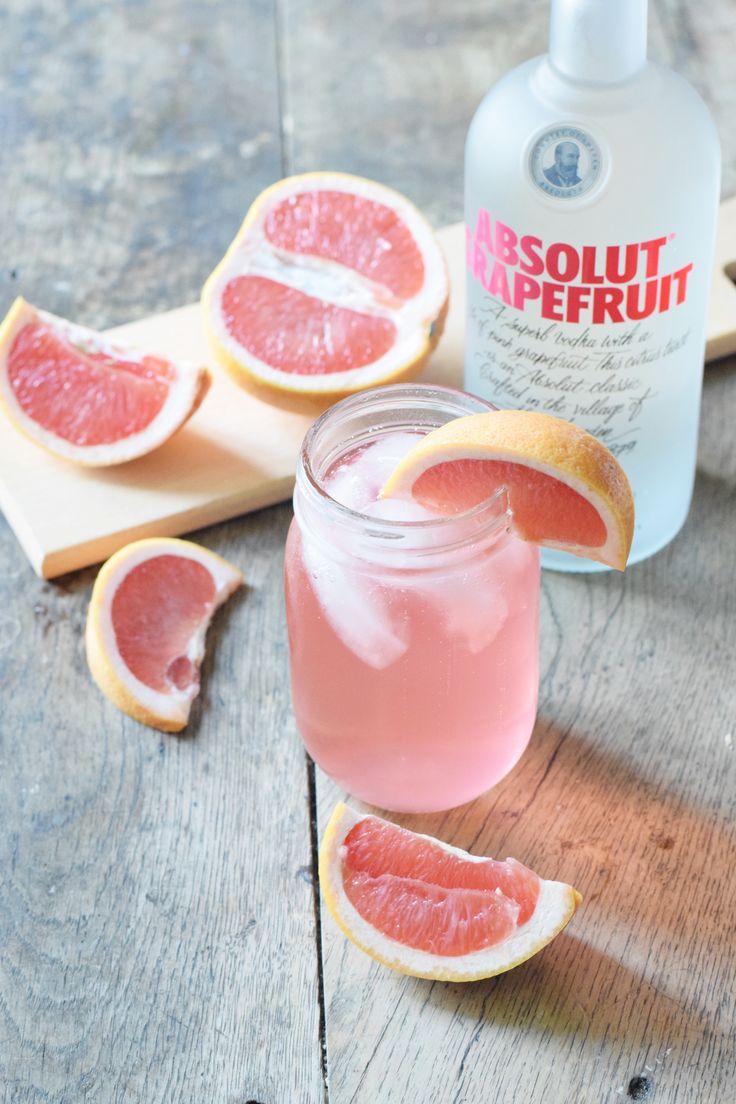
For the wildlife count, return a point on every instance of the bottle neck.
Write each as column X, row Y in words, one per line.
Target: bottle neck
column 598, row 41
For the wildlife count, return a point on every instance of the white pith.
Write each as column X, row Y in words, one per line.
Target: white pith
column 251, row 254
column 605, row 552
column 174, row 705
column 182, row 392
column 555, row 905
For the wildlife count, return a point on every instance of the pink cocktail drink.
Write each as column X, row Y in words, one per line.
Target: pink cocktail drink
column 413, row 638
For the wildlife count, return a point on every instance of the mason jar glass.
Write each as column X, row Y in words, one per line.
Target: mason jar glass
column 413, row 643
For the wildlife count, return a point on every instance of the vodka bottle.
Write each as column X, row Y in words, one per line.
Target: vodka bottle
column 592, row 183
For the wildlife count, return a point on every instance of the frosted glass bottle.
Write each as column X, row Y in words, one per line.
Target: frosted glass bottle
column 592, row 182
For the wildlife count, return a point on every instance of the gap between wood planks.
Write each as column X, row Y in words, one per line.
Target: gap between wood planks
column 286, row 124
column 286, row 119
column 314, row 845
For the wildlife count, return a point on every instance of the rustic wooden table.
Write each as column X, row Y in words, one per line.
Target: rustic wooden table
column 161, row 938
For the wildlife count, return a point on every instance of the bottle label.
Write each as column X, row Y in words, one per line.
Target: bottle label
column 592, row 333
column 565, row 162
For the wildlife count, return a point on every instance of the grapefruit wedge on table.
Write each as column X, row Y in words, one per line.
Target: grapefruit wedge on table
column 427, row 909
column 85, row 397
column 565, row 489
column 151, row 605
column 333, row 284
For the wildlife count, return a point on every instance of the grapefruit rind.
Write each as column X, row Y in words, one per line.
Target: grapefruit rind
column 185, row 394
column 166, row 712
column 555, row 906
column 542, row 443
column 420, row 321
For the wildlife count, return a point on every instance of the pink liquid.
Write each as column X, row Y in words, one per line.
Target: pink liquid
column 414, row 688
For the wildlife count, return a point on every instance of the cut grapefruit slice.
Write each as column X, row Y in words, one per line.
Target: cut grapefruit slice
column 151, row 605
column 565, row 489
column 86, row 398
column 332, row 284
column 427, row 909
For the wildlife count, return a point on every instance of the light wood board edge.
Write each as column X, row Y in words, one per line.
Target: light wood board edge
column 75, row 557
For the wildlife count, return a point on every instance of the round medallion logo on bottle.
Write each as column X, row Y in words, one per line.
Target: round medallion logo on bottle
column 565, row 162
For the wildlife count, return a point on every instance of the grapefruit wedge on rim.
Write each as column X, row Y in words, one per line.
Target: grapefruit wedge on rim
column 427, row 909
column 151, row 605
column 565, row 489
column 85, row 397
column 332, row 284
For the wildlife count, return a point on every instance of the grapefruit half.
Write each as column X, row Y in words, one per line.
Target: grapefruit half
column 565, row 489
column 86, row 398
column 427, row 909
column 151, row 605
column 333, row 284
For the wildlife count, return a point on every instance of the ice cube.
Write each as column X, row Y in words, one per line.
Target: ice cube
column 357, row 608
column 474, row 610
column 357, row 479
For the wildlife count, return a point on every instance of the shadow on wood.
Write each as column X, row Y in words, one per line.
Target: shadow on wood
column 639, row 853
column 537, row 998
column 189, row 463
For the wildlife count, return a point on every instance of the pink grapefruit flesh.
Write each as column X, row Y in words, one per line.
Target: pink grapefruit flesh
column 430, row 899
column 564, row 488
column 360, row 233
column 151, row 605
column 298, row 333
column 332, row 285
column 428, row 909
column 544, row 509
column 156, row 610
column 85, row 398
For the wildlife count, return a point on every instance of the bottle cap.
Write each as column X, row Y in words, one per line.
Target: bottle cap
column 598, row 41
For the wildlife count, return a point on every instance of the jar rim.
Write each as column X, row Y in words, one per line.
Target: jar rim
column 484, row 519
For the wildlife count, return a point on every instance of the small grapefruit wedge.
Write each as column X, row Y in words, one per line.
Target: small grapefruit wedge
column 151, row 605
column 565, row 489
column 427, row 909
column 86, row 398
column 333, row 284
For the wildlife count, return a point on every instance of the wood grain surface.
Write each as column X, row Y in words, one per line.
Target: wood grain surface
column 158, row 935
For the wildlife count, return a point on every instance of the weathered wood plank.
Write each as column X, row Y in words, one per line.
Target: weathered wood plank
column 156, row 907
column 699, row 41
column 408, row 79
column 157, row 928
column 628, row 787
column 132, row 140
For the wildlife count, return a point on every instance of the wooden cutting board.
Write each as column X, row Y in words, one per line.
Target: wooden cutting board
column 236, row 454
